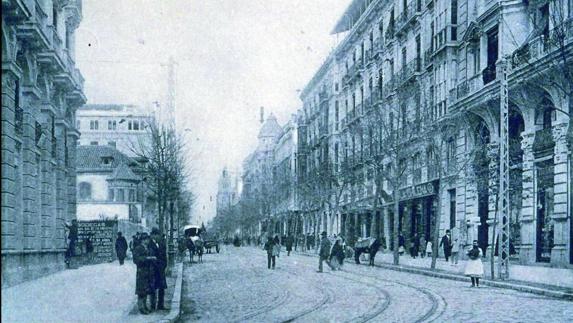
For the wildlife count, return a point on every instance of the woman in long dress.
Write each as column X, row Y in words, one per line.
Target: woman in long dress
column 474, row 266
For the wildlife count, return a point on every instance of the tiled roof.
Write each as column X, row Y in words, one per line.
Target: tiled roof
column 123, row 173
column 94, row 157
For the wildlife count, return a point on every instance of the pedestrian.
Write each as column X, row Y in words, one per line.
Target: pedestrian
column 373, row 251
column 270, row 257
column 446, row 242
column 89, row 249
column 336, row 255
column 72, row 240
column 423, row 246
column 289, row 242
column 158, row 249
column 324, row 252
column 401, row 244
column 144, row 262
column 429, row 247
column 120, row 248
column 415, row 246
column 474, row 266
column 455, row 251
column 277, row 246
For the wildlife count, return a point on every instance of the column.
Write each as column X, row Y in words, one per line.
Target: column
column 562, row 178
column 527, row 219
column 493, row 187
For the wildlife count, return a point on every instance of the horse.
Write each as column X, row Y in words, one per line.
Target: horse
column 191, row 248
column 199, row 249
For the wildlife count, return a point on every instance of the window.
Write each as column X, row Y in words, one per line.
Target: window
column 111, row 125
column 110, row 194
column 112, row 144
column 452, row 194
column 135, row 125
column 131, row 195
column 336, row 86
column 336, row 115
column 129, row 125
column 94, row 124
column 451, row 154
column 120, row 195
column 476, row 60
column 94, row 143
column 454, row 12
column 106, row 160
column 404, row 55
column 85, row 191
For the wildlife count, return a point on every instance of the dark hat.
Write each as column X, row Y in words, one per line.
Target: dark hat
column 323, row 233
column 155, row 230
column 144, row 235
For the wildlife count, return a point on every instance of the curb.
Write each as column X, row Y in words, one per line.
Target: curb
column 175, row 310
column 522, row 288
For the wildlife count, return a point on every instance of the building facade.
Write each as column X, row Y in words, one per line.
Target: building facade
column 41, row 91
column 110, row 185
column 227, row 190
column 402, row 124
column 125, row 127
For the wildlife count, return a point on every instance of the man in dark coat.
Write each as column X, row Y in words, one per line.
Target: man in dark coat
column 271, row 259
column 120, row 248
column 72, row 239
column 324, row 252
column 143, row 279
column 415, row 245
column 158, row 249
column 447, row 243
column 288, row 243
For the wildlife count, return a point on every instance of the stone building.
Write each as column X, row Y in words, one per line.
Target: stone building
column 227, row 190
column 41, row 91
column 405, row 69
column 111, row 185
column 125, row 127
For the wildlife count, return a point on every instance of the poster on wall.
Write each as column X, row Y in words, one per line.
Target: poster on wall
column 102, row 235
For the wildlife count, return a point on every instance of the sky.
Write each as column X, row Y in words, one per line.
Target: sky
column 233, row 56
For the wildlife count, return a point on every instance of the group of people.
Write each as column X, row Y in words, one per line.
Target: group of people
column 150, row 257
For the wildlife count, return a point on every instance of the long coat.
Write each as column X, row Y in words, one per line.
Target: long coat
column 144, row 276
column 289, row 242
column 121, row 247
column 159, row 250
column 324, row 251
column 447, row 243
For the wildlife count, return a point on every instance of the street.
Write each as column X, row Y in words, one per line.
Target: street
column 236, row 286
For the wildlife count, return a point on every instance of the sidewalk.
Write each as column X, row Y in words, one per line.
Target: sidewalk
column 96, row 293
column 555, row 282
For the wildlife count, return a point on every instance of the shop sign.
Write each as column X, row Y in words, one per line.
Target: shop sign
column 417, row 191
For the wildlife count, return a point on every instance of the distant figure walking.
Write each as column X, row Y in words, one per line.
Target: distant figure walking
column 429, row 247
column 277, row 247
column 72, row 240
column 446, row 242
column 324, row 252
column 423, row 246
column 89, row 250
column 158, row 249
column 289, row 243
column 455, row 251
column 120, row 248
column 271, row 258
column 474, row 266
column 336, row 255
column 415, row 245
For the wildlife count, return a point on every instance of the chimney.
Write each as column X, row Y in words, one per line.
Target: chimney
column 262, row 114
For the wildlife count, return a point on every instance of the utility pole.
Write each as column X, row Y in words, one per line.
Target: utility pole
column 503, row 206
column 170, row 114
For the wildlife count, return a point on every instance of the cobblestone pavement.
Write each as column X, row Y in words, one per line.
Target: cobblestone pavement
column 236, row 286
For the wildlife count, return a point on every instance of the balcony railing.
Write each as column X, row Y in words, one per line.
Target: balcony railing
column 470, row 86
column 543, row 140
column 407, row 16
column 410, row 70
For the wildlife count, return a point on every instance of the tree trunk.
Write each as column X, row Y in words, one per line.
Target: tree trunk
column 436, row 234
column 396, row 198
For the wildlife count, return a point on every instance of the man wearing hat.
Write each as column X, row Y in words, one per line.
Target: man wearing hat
column 144, row 276
column 158, row 249
column 324, row 251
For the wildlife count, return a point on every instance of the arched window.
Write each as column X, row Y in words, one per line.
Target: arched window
column 85, row 191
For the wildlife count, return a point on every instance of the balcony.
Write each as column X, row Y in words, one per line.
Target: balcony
column 411, row 69
column 429, row 3
column 470, row 86
column 389, row 34
column 408, row 16
column 323, row 131
column 447, row 36
column 428, row 57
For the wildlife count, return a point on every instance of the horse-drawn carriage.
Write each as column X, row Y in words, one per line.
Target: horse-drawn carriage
column 369, row 246
column 193, row 241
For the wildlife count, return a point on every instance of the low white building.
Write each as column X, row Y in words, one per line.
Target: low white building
column 109, row 186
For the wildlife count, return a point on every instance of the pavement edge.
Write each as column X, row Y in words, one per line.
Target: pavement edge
column 175, row 310
column 499, row 284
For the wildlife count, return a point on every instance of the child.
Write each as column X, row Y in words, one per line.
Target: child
column 429, row 248
column 474, row 266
